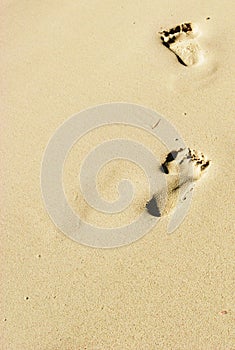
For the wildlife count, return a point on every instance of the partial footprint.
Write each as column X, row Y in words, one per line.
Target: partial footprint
column 180, row 161
column 182, row 167
column 182, row 41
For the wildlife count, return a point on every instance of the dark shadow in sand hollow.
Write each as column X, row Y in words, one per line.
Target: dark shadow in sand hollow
column 152, row 207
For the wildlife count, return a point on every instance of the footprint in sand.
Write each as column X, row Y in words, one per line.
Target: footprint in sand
column 183, row 167
column 183, row 42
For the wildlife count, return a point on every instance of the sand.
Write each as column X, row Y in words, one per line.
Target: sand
column 163, row 291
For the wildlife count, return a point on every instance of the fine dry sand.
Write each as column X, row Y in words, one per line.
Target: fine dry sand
column 163, row 291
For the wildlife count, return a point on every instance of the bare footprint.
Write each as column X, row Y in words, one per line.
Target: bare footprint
column 182, row 41
column 182, row 167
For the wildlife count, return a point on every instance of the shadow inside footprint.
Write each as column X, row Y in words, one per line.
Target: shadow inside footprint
column 170, row 157
column 152, row 207
column 181, row 61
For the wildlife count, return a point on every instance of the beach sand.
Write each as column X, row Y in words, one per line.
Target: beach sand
column 162, row 291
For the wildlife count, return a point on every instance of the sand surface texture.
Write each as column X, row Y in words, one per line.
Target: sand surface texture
column 163, row 291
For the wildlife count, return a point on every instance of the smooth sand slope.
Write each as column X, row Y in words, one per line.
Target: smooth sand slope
column 163, row 291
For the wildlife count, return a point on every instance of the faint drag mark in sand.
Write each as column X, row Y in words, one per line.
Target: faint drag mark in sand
column 181, row 40
column 177, row 162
